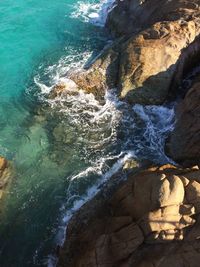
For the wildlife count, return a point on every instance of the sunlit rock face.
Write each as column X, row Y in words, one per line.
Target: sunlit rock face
column 156, row 42
column 152, row 218
column 154, row 215
column 153, row 61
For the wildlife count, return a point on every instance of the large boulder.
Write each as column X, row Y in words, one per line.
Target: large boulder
column 158, row 43
column 153, row 61
column 184, row 143
column 153, row 209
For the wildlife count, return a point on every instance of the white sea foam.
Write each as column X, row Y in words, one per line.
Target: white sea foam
column 56, row 73
column 93, row 12
column 143, row 133
column 119, row 131
column 109, row 133
column 158, row 123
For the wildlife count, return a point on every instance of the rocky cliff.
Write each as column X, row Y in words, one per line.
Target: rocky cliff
column 152, row 218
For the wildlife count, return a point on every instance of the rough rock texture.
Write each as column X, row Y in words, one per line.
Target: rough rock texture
column 159, row 41
column 5, row 175
column 151, row 220
column 162, row 42
column 184, row 142
column 63, row 89
column 100, row 74
column 130, row 16
column 153, row 61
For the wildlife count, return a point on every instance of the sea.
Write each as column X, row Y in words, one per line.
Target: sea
column 61, row 149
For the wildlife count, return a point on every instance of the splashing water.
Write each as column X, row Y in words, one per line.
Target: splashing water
column 109, row 134
column 63, row 148
column 92, row 12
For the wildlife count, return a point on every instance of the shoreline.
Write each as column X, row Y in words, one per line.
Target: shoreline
column 160, row 28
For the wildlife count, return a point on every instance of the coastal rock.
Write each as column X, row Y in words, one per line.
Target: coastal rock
column 184, row 142
column 130, row 16
column 5, row 175
column 68, row 87
column 160, row 42
column 125, row 228
column 100, row 74
column 151, row 219
column 153, row 61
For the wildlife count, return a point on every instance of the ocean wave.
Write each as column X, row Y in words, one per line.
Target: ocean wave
column 108, row 133
column 136, row 132
column 93, row 12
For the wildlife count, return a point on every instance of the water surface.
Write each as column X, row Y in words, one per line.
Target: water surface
column 60, row 149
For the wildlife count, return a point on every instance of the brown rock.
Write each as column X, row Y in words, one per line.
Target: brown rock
column 130, row 16
column 3, row 163
column 184, row 143
column 166, row 219
column 137, row 225
column 193, row 194
column 160, row 42
column 151, row 59
column 63, row 89
column 100, row 75
column 5, row 176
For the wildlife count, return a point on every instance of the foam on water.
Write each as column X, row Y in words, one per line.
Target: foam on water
column 93, row 12
column 62, row 156
column 120, row 132
column 110, row 134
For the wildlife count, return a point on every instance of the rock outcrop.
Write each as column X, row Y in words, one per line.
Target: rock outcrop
column 129, row 17
column 157, row 42
column 153, row 61
column 150, row 220
column 162, row 42
column 153, row 218
column 184, row 143
column 96, row 78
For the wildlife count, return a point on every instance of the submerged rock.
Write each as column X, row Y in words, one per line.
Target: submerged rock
column 123, row 228
column 5, row 176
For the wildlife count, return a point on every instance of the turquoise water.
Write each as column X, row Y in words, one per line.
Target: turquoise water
column 60, row 148
column 35, row 35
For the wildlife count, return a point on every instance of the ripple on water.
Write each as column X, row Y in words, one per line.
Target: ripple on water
column 66, row 147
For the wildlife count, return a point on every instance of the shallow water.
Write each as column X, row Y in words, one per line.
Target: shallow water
column 60, row 149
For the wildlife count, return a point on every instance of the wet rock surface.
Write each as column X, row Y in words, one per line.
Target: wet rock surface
column 152, row 219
